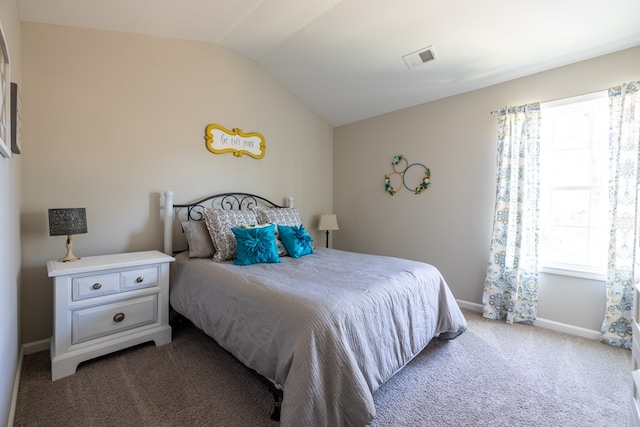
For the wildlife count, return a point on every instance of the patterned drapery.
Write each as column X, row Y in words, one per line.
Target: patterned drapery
column 624, row 146
column 511, row 283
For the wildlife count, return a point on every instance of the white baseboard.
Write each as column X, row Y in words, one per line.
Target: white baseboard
column 28, row 348
column 470, row 305
column 568, row 329
column 36, row 346
column 544, row 323
column 16, row 385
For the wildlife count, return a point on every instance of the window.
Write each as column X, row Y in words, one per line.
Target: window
column 574, row 164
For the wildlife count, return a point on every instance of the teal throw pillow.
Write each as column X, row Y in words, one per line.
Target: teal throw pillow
column 296, row 240
column 255, row 245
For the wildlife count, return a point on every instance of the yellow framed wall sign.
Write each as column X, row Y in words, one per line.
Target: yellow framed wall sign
column 220, row 140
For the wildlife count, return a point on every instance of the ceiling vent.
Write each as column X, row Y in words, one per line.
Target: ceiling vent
column 420, row 57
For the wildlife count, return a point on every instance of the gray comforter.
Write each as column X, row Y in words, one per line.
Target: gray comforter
column 328, row 328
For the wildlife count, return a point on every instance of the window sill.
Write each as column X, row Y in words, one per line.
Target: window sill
column 574, row 271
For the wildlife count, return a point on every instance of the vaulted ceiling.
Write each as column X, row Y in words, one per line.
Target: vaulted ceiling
column 344, row 58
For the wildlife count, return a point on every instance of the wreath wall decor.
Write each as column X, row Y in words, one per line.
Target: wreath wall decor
column 400, row 167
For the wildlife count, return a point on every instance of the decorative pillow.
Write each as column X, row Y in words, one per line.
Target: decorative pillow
column 255, row 245
column 278, row 216
column 198, row 239
column 280, row 247
column 296, row 239
column 220, row 222
column 282, row 251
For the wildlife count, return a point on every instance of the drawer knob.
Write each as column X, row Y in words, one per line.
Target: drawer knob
column 96, row 286
column 119, row 317
column 140, row 279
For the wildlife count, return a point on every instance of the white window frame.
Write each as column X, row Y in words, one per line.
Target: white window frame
column 566, row 269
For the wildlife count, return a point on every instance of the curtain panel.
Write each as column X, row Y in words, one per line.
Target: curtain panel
column 624, row 146
column 511, row 283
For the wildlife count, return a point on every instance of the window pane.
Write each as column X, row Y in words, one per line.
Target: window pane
column 569, row 168
column 570, row 208
column 569, row 245
column 574, row 166
column 598, row 248
column 571, row 130
column 600, row 209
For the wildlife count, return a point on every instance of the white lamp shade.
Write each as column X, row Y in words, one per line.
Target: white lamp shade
column 328, row 222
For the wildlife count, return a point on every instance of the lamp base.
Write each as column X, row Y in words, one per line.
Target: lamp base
column 69, row 256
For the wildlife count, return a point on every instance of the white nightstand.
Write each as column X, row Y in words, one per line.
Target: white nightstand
column 107, row 303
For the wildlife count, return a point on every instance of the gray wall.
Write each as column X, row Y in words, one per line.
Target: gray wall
column 450, row 224
column 112, row 120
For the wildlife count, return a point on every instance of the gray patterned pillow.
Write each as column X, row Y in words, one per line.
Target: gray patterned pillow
column 279, row 216
column 198, row 239
column 220, row 222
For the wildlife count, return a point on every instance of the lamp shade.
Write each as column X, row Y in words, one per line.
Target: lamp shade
column 67, row 221
column 328, row 222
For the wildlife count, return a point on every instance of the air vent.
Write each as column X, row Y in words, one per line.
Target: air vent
column 420, row 57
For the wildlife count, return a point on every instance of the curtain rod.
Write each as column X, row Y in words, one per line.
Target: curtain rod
column 559, row 99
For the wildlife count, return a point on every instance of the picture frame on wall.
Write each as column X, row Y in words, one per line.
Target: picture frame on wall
column 5, row 97
column 16, row 129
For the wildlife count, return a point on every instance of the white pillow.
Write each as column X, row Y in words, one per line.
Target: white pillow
column 198, row 239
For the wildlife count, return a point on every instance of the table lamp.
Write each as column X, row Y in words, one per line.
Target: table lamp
column 328, row 223
column 67, row 221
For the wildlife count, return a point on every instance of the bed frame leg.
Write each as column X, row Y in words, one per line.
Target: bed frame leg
column 176, row 320
column 277, row 402
column 276, row 392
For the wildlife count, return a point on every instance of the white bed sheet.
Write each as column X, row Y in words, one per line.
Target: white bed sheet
column 328, row 328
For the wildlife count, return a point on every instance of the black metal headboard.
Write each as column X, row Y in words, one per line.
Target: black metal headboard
column 224, row 201
column 194, row 211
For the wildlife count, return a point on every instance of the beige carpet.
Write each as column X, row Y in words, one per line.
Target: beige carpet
column 493, row 375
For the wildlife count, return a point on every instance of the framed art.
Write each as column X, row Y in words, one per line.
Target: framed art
column 4, row 97
column 220, row 140
column 16, row 132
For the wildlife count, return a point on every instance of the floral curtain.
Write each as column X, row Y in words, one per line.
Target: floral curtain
column 624, row 146
column 511, row 284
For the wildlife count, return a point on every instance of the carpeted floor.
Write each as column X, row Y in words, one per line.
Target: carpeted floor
column 492, row 375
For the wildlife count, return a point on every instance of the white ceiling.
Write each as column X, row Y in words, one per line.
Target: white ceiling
column 343, row 58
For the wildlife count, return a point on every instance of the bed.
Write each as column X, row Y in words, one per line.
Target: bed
column 326, row 328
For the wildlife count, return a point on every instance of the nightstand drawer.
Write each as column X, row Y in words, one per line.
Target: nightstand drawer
column 95, row 322
column 136, row 279
column 94, row 286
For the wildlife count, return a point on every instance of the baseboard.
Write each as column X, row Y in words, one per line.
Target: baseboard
column 568, row 329
column 470, row 305
column 36, row 346
column 16, row 385
column 28, row 348
column 544, row 323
